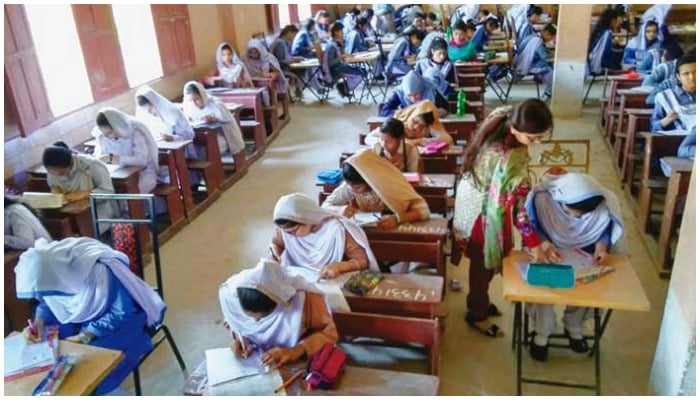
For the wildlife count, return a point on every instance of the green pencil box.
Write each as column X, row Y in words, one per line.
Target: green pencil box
column 556, row 276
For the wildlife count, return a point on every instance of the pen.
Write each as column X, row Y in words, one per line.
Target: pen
column 289, row 381
column 240, row 339
column 32, row 327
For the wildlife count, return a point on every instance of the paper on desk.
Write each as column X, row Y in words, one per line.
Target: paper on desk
column 21, row 356
column 674, row 132
column 365, row 219
column 224, row 366
column 330, row 288
column 254, row 385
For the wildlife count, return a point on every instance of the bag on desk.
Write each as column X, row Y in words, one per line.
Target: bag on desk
column 330, row 176
column 557, row 276
column 326, row 366
column 363, row 281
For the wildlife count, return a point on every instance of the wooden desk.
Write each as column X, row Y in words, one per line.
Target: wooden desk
column 678, row 184
column 431, row 230
column 619, row 290
column 464, row 125
column 355, row 381
column 94, row 365
column 638, row 120
column 250, row 99
column 79, row 215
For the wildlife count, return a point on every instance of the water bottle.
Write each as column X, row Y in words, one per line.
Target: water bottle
column 461, row 103
column 448, row 34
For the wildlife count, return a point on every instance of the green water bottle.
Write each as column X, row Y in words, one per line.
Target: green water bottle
column 461, row 103
column 448, row 34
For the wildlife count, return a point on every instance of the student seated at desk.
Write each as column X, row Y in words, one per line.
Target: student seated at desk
column 664, row 75
column 355, row 38
column 306, row 40
column 490, row 200
column 230, row 70
column 323, row 20
column 276, row 311
column 413, row 88
column 462, row 45
column 349, row 18
column 87, row 289
column 77, row 175
column 443, row 90
column 525, row 29
column 165, row 121
column 307, row 235
column 674, row 108
column 642, row 44
column 334, row 65
column 200, row 107
column 481, row 36
column 260, row 63
column 22, row 226
column 372, row 184
column 605, row 50
column 424, row 49
column 124, row 141
column 383, row 22
column 404, row 51
column 438, row 59
column 389, row 141
column 281, row 48
column 532, row 58
column 422, row 124
column 571, row 211
column 432, row 23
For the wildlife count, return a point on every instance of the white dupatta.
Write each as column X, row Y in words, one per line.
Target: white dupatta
column 326, row 245
column 70, row 275
column 282, row 327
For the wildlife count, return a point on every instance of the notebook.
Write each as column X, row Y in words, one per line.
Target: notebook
column 22, row 358
column 43, row 200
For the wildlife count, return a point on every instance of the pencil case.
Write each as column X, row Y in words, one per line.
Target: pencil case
column 330, row 176
column 364, row 281
column 557, row 276
column 435, row 147
column 54, row 378
column 326, row 366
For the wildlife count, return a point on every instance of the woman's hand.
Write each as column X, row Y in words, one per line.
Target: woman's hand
column 349, row 210
column 330, row 271
column 278, row 356
column 210, row 118
column 601, row 252
column 388, row 222
column 34, row 337
column 74, row 339
column 104, row 158
column 237, row 347
column 545, row 252
column 166, row 137
column 75, row 196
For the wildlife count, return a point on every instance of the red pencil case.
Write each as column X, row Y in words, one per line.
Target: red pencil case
column 326, row 366
column 435, row 147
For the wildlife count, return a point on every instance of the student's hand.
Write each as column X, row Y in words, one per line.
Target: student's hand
column 166, row 137
column 115, row 159
column 31, row 338
column 330, row 271
column 601, row 252
column 237, row 348
column 210, row 118
column 74, row 339
column 278, row 356
column 105, row 158
column 545, row 252
column 297, row 59
column 349, row 210
column 388, row 222
column 670, row 118
column 75, row 196
column 410, row 58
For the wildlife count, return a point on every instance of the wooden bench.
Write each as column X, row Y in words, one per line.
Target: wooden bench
column 638, row 121
column 171, row 194
column 677, row 190
column 393, row 251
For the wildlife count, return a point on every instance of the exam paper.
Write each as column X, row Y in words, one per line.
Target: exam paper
column 21, row 356
column 224, row 366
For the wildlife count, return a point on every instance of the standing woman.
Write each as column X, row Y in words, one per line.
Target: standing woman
column 86, row 288
column 230, row 70
column 124, row 141
column 165, row 121
column 606, row 50
column 77, row 175
column 261, row 63
column 490, row 194
column 200, row 107
column 22, row 226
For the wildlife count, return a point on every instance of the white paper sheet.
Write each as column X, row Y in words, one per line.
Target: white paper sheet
column 224, row 366
column 255, row 385
column 576, row 258
column 331, row 288
column 366, row 218
column 21, row 356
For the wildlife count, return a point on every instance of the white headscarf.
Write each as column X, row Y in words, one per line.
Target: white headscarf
column 167, row 111
column 327, row 244
column 70, row 275
column 282, row 327
column 125, row 126
column 544, row 204
column 232, row 132
column 230, row 73
column 264, row 63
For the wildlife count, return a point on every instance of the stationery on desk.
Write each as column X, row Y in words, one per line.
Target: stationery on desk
column 366, row 218
column 24, row 359
column 230, row 375
column 582, row 264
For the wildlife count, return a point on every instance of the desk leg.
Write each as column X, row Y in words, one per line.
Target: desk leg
column 519, row 340
column 596, row 347
column 184, row 176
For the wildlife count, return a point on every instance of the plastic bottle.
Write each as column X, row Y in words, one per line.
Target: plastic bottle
column 461, row 103
column 448, row 34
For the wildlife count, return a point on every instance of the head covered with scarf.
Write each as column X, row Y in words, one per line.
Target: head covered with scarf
column 230, row 72
column 125, row 127
column 413, row 83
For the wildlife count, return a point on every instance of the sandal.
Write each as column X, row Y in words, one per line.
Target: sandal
column 492, row 331
column 493, row 311
column 455, row 285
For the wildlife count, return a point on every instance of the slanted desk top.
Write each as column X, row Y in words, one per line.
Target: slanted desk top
column 449, row 119
column 679, row 164
column 619, row 290
column 399, row 288
column 94, row 365
column 422, row 231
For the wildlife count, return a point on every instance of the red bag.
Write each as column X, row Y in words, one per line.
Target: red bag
column 124, row 240
column 326, row 366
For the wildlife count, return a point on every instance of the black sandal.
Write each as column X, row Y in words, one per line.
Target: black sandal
column 492, row 331
column 577, row 345
column 493, row 311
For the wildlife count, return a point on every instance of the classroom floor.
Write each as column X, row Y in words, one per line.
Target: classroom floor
column 234, row 232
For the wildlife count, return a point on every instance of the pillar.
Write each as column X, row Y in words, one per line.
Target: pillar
column 573, row 26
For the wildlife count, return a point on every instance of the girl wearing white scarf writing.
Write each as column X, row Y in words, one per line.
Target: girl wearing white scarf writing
column 571, row 211
column 231, row 71
column 124, row 141
column 276, row 311
column 309, row 236
column 22, row 226
column 261, row 63
column 87, row 289
column 200, row 107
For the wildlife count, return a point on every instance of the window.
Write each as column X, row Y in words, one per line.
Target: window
column 138, row 43
column 284, row 15
column 60, row 57
column 304, row 11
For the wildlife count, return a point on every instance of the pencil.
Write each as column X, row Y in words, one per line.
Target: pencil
column 289, row 381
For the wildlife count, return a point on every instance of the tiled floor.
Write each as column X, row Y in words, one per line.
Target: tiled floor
column 234, row 233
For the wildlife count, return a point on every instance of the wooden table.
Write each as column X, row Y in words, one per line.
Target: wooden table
column 464, row 125
column 355, row 381
column 678, row 184
column 430, row 230
column 94, row 365
column 619, row 290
